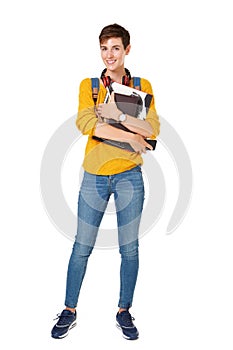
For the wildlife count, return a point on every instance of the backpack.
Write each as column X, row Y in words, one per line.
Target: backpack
column 95, row 85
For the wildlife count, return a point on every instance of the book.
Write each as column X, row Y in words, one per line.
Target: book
column 129, row 101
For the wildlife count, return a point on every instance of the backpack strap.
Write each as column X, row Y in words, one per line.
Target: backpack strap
column 95, row 85
column 137, row 83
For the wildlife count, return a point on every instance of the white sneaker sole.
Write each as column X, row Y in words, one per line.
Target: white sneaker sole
column 65, row 335
column 123, row 335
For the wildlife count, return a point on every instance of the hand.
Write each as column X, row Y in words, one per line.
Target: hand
column 138, row 143
column 108, row 110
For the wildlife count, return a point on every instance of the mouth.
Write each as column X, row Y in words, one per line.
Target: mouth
column 110, row 62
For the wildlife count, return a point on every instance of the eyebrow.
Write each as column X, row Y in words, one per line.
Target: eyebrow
column 112, row 46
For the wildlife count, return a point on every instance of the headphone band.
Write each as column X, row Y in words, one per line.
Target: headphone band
column 107, row 80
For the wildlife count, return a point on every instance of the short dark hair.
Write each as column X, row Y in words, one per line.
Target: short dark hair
column 115, row 31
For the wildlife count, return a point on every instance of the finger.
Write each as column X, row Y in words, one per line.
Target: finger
column 99, row 110
column 144, row 150
column 149, row 146
column 112, row 99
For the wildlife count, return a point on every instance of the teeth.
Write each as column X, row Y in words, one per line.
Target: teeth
column 110, row 62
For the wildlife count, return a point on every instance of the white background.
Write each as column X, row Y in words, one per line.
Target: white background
column 184, row 293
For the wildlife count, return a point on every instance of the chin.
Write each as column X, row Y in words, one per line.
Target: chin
column 111, row 68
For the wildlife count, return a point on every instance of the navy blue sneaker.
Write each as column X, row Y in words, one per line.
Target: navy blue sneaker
column 66, row 321
column 125, row 323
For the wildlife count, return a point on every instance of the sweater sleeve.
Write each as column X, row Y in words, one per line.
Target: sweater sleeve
column 86, row 117
column 152, row 116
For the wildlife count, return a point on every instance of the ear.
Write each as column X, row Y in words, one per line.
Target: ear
column 127, row 50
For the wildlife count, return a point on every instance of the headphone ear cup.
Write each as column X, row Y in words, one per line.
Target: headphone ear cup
column 125, row 80
column 106, row 81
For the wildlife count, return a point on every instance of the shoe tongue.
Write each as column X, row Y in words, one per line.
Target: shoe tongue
column 66, row 312
column 124, row 312
column 125, row 315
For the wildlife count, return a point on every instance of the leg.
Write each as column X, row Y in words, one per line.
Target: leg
column 129, row 198
column 93, row 199
column 128, row 274
column 76, row 272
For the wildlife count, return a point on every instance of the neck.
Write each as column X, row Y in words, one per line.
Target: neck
column 116, row 75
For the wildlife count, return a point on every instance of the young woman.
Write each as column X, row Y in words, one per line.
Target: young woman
column 109, row 170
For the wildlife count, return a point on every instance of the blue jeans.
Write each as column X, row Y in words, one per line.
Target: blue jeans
column 128, row 190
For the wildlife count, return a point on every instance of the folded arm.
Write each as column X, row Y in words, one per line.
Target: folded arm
column 106, row 131
column 148, row 128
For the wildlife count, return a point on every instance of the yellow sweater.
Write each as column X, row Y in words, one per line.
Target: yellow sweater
column 100, row 158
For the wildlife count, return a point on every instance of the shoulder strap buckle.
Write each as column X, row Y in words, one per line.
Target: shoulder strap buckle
column 95, row 84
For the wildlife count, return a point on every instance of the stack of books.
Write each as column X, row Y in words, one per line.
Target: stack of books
column 132, row 102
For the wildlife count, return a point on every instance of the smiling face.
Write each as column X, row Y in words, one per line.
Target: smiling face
column 113, row 54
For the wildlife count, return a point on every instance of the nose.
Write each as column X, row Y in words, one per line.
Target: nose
column 109, row 53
